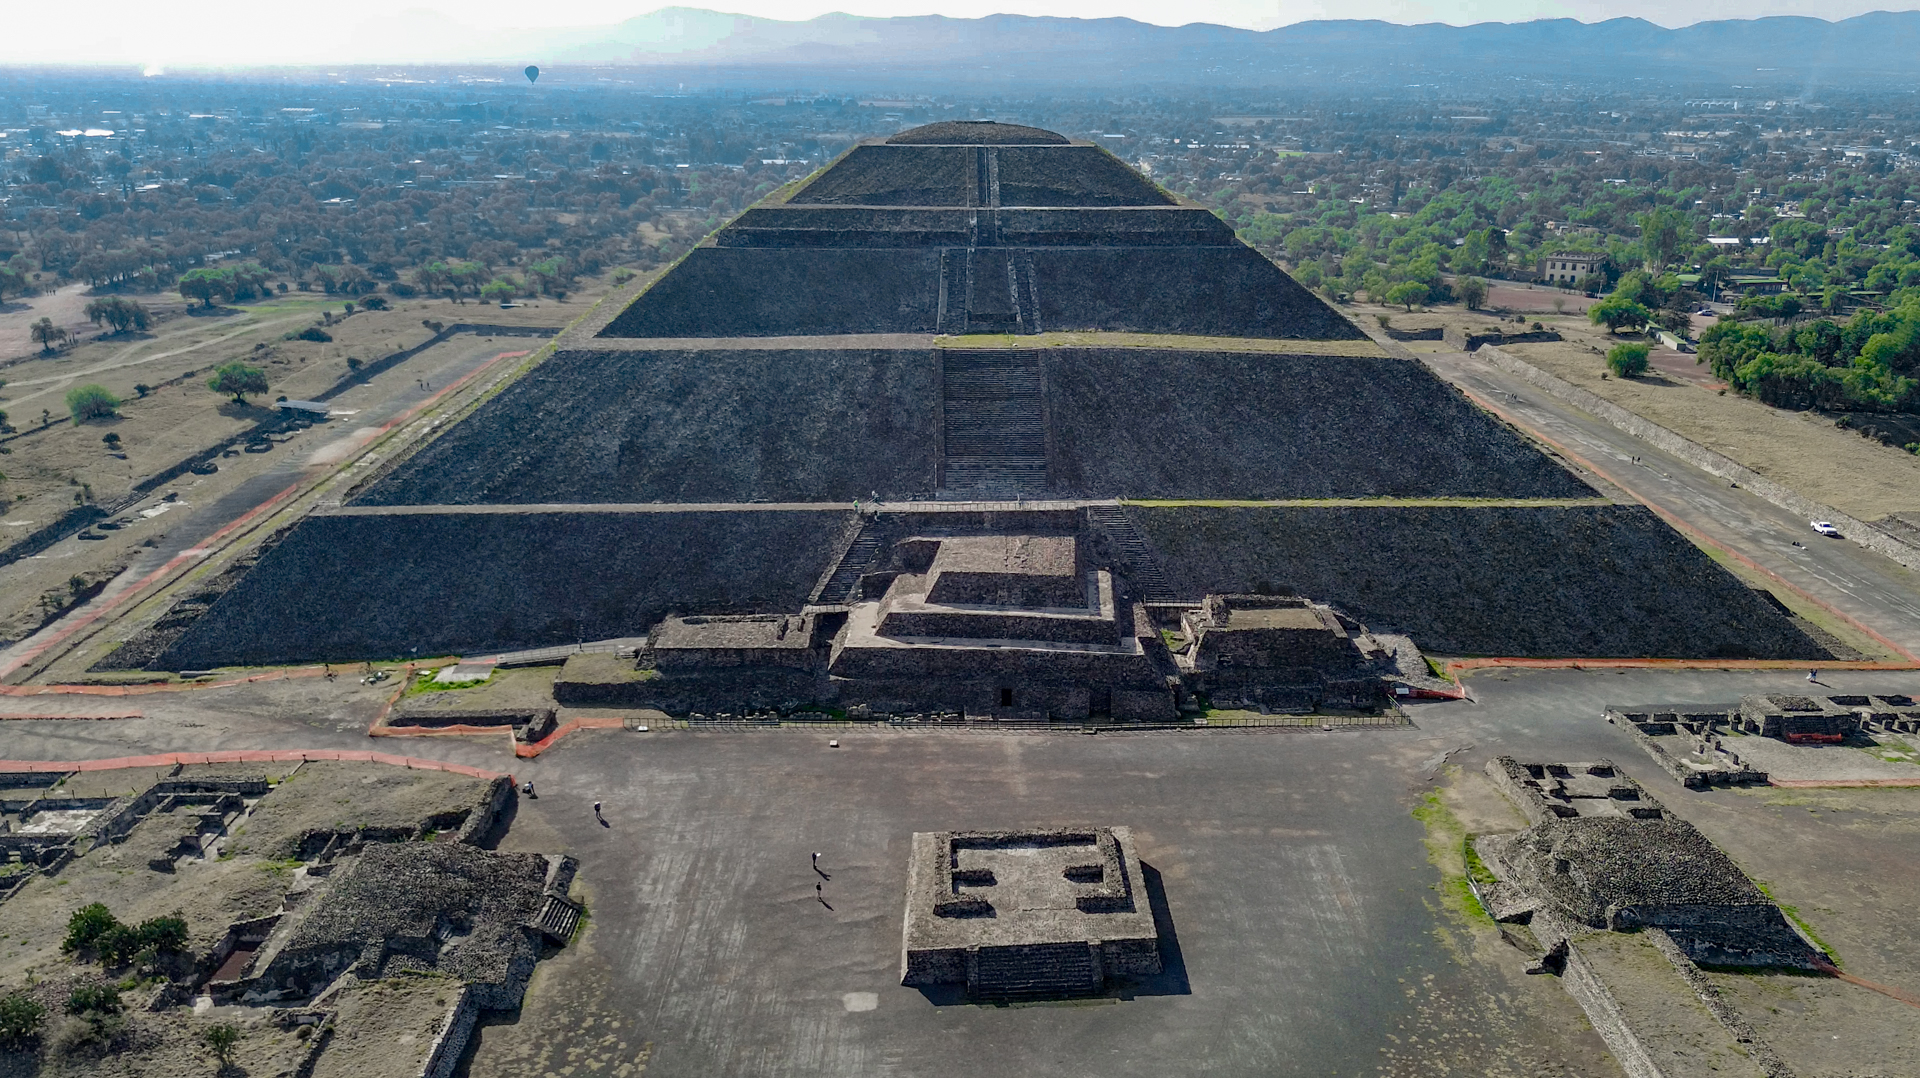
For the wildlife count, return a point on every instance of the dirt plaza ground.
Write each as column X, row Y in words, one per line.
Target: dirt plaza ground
column 1311, row 930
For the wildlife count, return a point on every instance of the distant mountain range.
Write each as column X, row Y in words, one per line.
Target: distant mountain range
column 1008, row 50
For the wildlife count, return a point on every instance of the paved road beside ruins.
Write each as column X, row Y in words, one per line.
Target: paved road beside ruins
column 1871, row 589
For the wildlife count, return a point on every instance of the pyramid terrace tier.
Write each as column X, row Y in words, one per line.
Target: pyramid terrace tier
column 1215, row 290
column 633, row 425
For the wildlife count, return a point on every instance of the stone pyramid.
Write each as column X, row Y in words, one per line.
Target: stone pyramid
column 984, row 321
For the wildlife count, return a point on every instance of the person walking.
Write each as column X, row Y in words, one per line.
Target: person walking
column 1813, row 676
column 596, row 812
column 816, row 862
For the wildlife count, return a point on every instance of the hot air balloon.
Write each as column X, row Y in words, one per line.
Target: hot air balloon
column 533, row 73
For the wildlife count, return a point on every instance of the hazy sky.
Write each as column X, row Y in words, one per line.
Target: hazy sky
column 243, row 32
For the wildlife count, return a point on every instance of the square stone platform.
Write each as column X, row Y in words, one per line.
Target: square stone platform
column 1038, row 913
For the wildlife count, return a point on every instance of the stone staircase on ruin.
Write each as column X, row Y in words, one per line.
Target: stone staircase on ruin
column 1045, row 970
column 1136, row 558
column 995, row 439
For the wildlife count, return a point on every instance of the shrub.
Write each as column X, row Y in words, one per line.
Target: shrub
column 142, row 389
column 311, row 333
column 221, row 1038
column 1627, row 360
column 164, row 935
column 91, row 402
column 94, row 999
column 622, row 276
column 87, row 925
column 117, row 945
column 374, row 303
column 20, row 1017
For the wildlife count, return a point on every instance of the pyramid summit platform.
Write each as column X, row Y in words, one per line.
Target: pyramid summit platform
column 962, row 339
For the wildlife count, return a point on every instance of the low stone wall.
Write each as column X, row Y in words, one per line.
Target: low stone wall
column 1468, row 342
column 1587, row 989
column 1707, row 460
column 444, row 1058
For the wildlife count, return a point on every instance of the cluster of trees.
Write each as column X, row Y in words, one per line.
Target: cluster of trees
column 347, row 212
column 214, row 285
column 1870, row 362
column 16, row 278
column 1641, row 299
column 119, row 313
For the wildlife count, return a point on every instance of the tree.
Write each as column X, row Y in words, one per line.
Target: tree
column 221, row 1038
column 46, row 335
column 20, row 1017
column 499, row 290
column 238, row 379
column 1406, row 294
column 210, row 286
column 1628, row 360
column 1663, row 233
column 1617, row 311
column 1472, row 292
column 91, row 402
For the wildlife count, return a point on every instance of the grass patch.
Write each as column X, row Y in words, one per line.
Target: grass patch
column 424, row 683
column 1477, row 870
column 1348, row 503
column 1893, row 754
column 1447, row 851
column 1090, row 339
column 1793, row 914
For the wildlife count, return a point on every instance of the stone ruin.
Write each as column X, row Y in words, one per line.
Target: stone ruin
column 41, row 830
column 1039, row 624
column 448, row 907
column 1603, row 855
column 1048, row 912
column 363, row 903
column 1687, row 741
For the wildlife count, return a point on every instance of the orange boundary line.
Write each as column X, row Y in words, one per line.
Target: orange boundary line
column 1834, row 971
column 545, row 743
column 23, row 716
column 379, row 728
column 168, row 759
column 178, row 559
column 1702, row 539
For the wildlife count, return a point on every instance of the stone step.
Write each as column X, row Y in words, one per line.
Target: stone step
column 557, row 919
column 1136, row 557
column 857, row 560
column 1038, row 970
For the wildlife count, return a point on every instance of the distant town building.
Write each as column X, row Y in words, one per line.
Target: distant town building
column 1566, row 268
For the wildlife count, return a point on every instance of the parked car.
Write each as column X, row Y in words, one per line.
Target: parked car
column 1825, row 528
